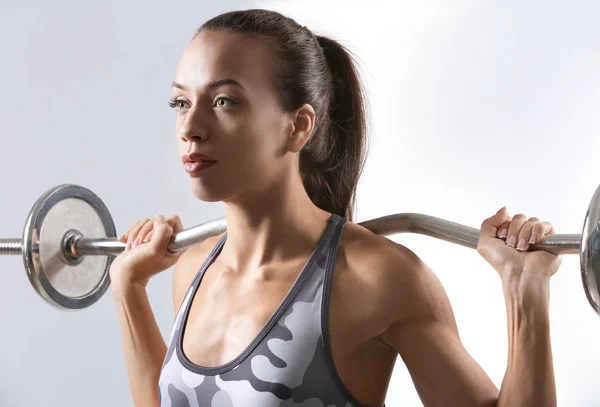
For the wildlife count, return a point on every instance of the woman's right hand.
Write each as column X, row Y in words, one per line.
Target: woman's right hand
column 146, row 253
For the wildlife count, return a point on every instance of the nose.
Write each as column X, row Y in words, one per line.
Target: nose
column 192, row 129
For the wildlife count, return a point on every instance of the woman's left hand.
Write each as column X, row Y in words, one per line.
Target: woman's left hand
column 510, row 256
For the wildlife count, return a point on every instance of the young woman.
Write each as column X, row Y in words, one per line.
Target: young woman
column 296, row 305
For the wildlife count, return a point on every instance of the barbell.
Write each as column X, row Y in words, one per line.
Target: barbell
column 69, row 241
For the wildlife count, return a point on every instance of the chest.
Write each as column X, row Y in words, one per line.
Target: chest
column 229, row 311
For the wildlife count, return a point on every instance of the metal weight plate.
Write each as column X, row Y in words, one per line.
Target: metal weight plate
column 590, row 252
column 62, row 282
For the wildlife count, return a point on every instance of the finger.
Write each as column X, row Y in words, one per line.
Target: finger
column 489, row 227
column 143, row 234
column 149, row 237
column 549, row 228
column 525, row 234
column 175, row 223
column 162, row 233
column 503, row 229
column 541, row 230
column 133, row 232
column 124, row 237
column 514, row 228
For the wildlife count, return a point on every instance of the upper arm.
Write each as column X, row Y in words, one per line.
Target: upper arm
column 426, row 336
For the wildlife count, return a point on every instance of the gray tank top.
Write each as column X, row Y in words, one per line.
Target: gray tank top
column 288, row 364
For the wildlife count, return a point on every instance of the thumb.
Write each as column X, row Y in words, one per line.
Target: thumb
column 161, row 235
column 490, row 226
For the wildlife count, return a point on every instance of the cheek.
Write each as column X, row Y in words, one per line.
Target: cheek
column 253, row 161
column 180, row 141
column 257, row 140
column 181, row 146
column 249, row 155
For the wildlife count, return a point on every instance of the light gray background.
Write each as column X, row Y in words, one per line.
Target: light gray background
column 475, row 105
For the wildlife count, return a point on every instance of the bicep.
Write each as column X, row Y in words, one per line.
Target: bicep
column 443, row 372
column 427, row 339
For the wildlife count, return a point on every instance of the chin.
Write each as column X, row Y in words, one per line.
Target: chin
column 208, row 193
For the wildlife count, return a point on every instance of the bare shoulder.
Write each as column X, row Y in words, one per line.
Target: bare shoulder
column 415, row 318
column 377, row 259
column 397, row 282
column 187, row 266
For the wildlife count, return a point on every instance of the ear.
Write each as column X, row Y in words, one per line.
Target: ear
column 303, row 125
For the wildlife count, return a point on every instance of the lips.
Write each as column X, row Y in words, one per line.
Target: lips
column 196, row 166
column 195, row 157
column 195, row 162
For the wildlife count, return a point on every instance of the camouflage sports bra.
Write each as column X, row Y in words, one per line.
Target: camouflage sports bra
column 288, row 364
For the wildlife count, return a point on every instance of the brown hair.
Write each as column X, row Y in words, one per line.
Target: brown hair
column 321, row 72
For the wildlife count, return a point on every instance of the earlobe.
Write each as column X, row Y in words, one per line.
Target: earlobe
column 302, row 127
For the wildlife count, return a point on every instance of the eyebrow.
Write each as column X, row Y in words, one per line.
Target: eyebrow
column 213, row 84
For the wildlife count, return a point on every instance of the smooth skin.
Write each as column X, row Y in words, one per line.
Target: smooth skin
column 385, row 300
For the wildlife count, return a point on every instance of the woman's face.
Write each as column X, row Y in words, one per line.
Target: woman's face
column 227, row 109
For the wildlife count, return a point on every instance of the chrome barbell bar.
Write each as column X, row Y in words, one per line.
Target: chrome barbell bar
column 74, row 246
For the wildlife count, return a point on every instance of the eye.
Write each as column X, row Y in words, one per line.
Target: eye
column 224, row 102
column 177, row 104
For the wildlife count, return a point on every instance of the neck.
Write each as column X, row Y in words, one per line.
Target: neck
column 274, row 225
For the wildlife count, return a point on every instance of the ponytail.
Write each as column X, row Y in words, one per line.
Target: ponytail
column 334, row 163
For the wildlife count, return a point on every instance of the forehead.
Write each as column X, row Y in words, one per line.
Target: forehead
column 215, row 55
